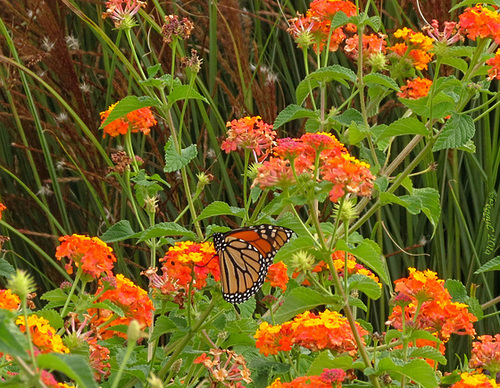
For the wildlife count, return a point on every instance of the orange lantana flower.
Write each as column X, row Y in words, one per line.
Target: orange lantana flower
column 91, row 253
column 8, row 300
column 2, row 208
column 486, row 354
column 415, row 88
column 328, row 330
column 277, row 275
column 494, row 71
column 417, row 47
column 437, row 314
column 44, row 336
column 132, row 299
column 140, row 120
column 302, row 382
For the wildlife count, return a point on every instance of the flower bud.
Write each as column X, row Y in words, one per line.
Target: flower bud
column 21, row 284
column 302, row 261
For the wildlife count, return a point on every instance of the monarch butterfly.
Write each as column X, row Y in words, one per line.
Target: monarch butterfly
column 245, row 255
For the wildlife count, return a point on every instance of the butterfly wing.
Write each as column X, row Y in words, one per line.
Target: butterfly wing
column 245, row 256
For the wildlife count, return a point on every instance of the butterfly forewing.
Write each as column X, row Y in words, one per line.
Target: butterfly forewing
column 245, row 256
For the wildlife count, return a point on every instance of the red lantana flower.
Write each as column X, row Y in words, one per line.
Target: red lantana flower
column 480, row 22
column 92, row 254
column 486, row 354
column 494, row 71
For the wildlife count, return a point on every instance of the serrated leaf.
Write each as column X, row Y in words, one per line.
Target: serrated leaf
column 333, row 73
column 300, row 300
column 339, row 19
column 127, row 105
column 492, row 265
column 368, row 252
column 74, row 366
column 417, row 370
column 107, row 305
column 428, row 352
column 374, row 22
column 457, row 63
column 53, row 317
column 425, row 200
column 219, row 208
column 325, row 360
column 175, row 161
column 12, row 341
column 357, row 132
column 164, row 325
column 118, row 232
column 422, row 334
column 358, row 303
column 164, row 229
column 381, row 79
column 184, row 92
column 6, row 269
column 347, row 117
column 292, row 112
column 457, row 290
column 304, row 88
column 55, row 295
column 442, row 105
column 152, row 70
column 364, row 284
column 403, row 126
column 457, row 131
column 247, row 308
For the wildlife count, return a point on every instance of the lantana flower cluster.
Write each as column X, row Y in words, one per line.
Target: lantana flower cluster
column 430, row 307
column 328, row 379
column 140, row 120
column 315, row 27
column 225, row 367
column 132, row 299
column 474, row 380
column 486, row 354
column 249, row 133
column 8, row 300
column 318, row 156
column 416, row 47
column 326, row 330
column 92, row 254
column 43, row 335
column 415, row 88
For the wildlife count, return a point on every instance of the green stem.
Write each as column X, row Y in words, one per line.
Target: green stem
column 126, row 357
column 134, row 53
column 72, row 291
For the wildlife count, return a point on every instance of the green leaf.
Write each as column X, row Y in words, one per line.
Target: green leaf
column 166, row 229
column 74, row 366
column 106, row 304
column 55, row 295
column 12, row 341
column 404, row 126
column 417, row 370
column 247, row 308
column 6, row 269
column 127, row 105
column 458, row 293
column 325, row 360
column 339, row 19
column 468, row 3
column 219, row 208
column 428, row 352
column 381, row 79
column 364, row 284
column 457, row 131
column 53, row 317
column 457, row 63
column 425, row 200
column 118, row 232
column 422, row 334
column 368, row 252
column 184, row 92
column 304, row 88
column 292, row 112
column 333, row 73
column 374, row 22
column 442, row 105
column 164, row 325
column 492, row 265
column 357, row 132
column 347, row 117
column 152, row 70
column 146, row 186
column 302, row 299
column 174, row 161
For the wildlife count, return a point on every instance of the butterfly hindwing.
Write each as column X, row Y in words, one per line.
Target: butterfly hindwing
column 245, row 255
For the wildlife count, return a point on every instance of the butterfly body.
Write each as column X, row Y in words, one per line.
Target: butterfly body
column 245, row 255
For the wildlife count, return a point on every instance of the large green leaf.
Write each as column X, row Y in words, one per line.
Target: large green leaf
column 292, row 112
column 457, row 131
column 333, row 73
column 492, row 265
column 300, row 300
column 165, row 229
column 184, row 92
column 425, row 200
column 325, row 360
column 428, row 352
column 74, row 366
column 6, row 269
column 175, row 161
column 118, row 232
column 403, row 126
column 127, row 105
column 417, row 370
column 369, row 253
column 219, row 208
column 304, row 88
column 365, row 284
column 12, row 341
column 381, row 79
